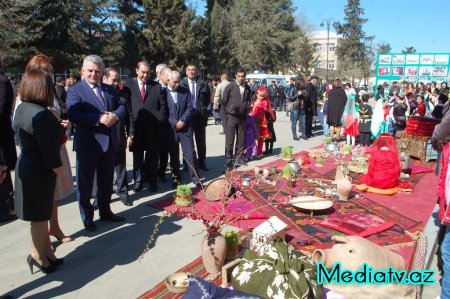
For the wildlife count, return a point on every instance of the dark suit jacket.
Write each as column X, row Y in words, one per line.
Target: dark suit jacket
column 61, row 95
column 231, row 100
column 311, row 99
column 148, row 115
column 7, row 144
column 84, row 110
column 182, row 110
column 203, row 97
column 124, row 125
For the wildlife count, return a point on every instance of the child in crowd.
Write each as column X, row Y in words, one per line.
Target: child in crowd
column 398, row 114
column 251, row 133
column 421, row 108
column 365, row 119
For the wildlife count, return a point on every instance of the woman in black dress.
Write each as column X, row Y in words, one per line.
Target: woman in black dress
column 39, row 162
column 335, row 108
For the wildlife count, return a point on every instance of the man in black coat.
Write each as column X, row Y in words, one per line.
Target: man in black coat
column 200, row 97
column 148, row 110
column 8, row 155
column 310, row 105
column 61, row 95
column 124, row 129
column 236, row 102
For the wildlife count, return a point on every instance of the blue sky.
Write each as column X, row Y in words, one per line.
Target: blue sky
column 402, row 23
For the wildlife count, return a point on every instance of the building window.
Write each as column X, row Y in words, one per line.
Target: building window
column 331, row 47
column 331, row 64
column 319, row 48
column 319, row 64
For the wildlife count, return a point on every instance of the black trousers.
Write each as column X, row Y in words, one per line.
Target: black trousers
column 308, row 124
column 364, row 138
column 199, row 125
column 169, row 148
column 223, row 117
column 145, row 170
column 121, row 180
column 235, row 127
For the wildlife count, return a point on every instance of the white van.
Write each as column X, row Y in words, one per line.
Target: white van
column 266, row 78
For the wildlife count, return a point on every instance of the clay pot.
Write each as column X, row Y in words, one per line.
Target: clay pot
column 339, row 174
column 214, row 251
column 344, row 187
column 266, row 172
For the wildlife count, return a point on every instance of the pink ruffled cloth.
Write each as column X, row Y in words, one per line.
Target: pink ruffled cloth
column 357, row 224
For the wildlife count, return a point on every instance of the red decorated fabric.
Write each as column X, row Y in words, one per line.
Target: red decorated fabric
column 421, row 126
column 238, row 207
column 384, row 164
column 351, row 126
column 357, row 224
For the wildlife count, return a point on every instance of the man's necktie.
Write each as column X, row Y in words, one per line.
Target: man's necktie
column 143, row 91
column 193, row 95
column 99, row 95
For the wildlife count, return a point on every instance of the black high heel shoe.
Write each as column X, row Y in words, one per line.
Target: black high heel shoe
column 57, row 262
column 32, row 262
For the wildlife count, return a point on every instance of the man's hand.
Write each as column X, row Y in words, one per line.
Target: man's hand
column 109, row 119
column 3, row 169
column 129, row 141
column 179, row 125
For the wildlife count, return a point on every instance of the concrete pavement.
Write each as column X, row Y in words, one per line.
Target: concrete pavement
column 110, row 262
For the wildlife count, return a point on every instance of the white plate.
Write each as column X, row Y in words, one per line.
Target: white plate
column 312, row 203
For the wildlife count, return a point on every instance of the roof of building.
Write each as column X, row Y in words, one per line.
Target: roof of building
column 323, row 34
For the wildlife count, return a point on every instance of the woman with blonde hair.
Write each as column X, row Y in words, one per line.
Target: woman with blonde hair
column 38, row 165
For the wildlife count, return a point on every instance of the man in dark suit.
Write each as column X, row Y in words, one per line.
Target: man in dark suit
column 111, row 77
column 310, row 105
column 236, row 102
column 148, row 110
column 200, row 97
column 181, row 111
column 94, row 108
column 8, row 155
column 61, row 95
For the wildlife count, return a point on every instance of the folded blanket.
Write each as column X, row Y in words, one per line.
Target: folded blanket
column 357, row 224
column 415, row 169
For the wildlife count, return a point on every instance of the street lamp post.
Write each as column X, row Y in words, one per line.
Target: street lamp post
column 328, row 22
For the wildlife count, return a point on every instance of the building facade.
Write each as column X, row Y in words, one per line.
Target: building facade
column 324, row 42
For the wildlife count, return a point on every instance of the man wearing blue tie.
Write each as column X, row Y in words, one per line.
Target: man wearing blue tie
column 94, row 108
column 179, row 103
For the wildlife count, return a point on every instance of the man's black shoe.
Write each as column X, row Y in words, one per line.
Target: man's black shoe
column 90, row 226
column 305, row 138
column 112, row 217
column 126, row 201
column 137, row 188
column 296, row 138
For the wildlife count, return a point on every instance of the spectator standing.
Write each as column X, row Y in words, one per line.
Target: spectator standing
column 273, row 94
column 8, row 155
column 200, row 97
column 61, row 95
column 95, row 109
column 310, row 105
column 148, row 111
column 124, row 133
column 365, row 115
column 217, row 105
column 337, row 99
column 38, row 165
column 236, row 101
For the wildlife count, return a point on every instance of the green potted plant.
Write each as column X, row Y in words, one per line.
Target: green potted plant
column 232, row 241
column 289, row 175
column 347, row 149
column 319, row 161
column 183, row 196
column 327, row 140
column 286, row 152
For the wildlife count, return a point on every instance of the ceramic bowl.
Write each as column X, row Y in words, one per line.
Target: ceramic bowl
column 177, row 282
column 294, row 165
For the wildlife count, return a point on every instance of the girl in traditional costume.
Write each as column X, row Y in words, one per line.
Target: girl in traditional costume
column 380, row 118
column 261, row 108
column 350, row 117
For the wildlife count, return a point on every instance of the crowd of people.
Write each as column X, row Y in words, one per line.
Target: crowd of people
column 106, row 117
